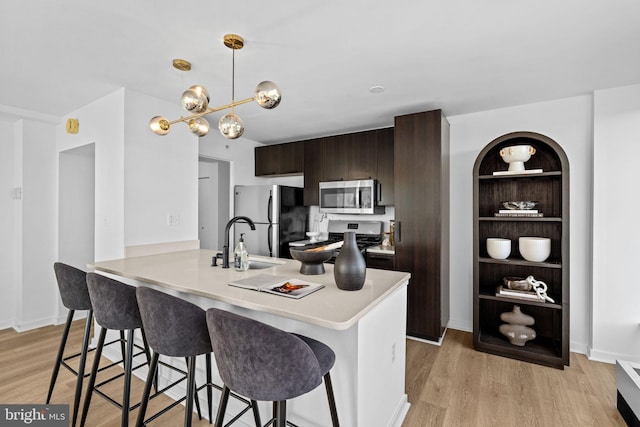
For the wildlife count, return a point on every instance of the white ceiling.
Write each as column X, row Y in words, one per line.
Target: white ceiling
column 459, row 55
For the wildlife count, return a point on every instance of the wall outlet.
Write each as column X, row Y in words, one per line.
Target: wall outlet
column 173, row 219
column 17, row 193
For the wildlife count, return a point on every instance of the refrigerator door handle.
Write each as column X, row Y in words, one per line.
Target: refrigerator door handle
column 270, row 239
column 270, row 208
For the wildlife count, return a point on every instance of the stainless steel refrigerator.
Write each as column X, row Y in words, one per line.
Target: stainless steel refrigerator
column 278, row 213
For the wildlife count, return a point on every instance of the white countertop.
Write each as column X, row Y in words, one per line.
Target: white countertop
column 380, row 250
column 191, row 272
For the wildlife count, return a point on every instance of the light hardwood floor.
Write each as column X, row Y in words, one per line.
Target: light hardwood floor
column 451, row 385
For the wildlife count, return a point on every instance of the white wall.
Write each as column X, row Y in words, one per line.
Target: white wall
column 37, row 289
column 569, row 123
column 76, row 206
column 102, row 123
column 7, row 226
column 616, row 293
column 161, row 176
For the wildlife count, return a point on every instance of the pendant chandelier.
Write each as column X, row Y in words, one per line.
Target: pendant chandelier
column 196, row 101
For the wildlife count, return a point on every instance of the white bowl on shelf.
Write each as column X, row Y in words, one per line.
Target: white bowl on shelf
column 535, row 249
column 498, row 248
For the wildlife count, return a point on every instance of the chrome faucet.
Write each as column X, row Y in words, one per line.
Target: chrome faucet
column 225, row 248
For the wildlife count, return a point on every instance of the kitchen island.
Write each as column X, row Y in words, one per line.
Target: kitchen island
column 365, row 328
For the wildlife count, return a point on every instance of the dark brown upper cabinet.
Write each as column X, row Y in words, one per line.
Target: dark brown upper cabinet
column 353, row 156
column 279, row 159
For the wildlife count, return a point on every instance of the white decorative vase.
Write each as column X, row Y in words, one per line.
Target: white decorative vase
column 517, row 327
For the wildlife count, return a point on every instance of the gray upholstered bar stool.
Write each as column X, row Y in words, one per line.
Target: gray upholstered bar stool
column 176, row 328
column 116, row 308
column 72, row 284
column 265, row 363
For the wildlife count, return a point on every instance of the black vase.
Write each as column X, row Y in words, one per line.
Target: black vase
column 350, row 268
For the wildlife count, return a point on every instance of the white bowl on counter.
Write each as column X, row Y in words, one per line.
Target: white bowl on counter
column 498, row 248
column 535, row 249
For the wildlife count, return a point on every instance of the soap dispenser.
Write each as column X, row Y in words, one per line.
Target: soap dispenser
column 241, row 256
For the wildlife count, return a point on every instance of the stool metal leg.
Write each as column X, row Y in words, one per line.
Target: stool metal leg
column 153, row 369
column 209, row 387
column 195, row 394
column 332, row 401
column 147, row 352
column 191, row 387
column 63, row 343
column 92, row 378
column 83, row 360
column 222, row 406
column 126, row 393
column 256, row 413
column 281, row 414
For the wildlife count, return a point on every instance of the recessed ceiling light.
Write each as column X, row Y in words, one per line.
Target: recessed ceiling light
column 376, row 89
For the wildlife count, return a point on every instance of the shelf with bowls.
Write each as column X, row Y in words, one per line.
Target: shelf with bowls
column 534, row 242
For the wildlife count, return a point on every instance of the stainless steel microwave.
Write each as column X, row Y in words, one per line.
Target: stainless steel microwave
column 350, row 197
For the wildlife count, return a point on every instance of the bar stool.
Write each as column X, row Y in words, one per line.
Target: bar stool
column 177, row 328
column 116, row 308
column 72, row 284
column 265, row 363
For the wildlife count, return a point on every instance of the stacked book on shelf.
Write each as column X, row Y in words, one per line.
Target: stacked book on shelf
column 520, row 172
column 501, row 291
column 530, row 213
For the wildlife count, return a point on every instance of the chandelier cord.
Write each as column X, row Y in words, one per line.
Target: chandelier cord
column 233, row 77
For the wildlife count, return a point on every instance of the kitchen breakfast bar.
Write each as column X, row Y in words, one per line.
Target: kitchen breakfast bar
column 365, row 328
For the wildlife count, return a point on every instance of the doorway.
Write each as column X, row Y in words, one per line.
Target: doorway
column 213, row 201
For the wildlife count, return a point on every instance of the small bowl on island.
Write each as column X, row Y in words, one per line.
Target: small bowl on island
column 311, row 260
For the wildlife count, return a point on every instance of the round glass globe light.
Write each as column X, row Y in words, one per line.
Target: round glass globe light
column 231, row 126
column 199, row 126
column 195, row 99
column 268, row 95
column 160, row 125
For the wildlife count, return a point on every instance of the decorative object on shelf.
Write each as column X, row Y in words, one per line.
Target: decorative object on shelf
column 519, row 287
column 516, row 328
column 519, row 204
column 516, row 156
column 196, row 101
column 311, row 262
column 501, row 291
column 498, row 248
column 392, row 232
column 540, row 288
column 516, row 283
column 535, row 249
column 350, row 268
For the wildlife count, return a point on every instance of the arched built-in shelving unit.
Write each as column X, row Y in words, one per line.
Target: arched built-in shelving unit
column 550, row 188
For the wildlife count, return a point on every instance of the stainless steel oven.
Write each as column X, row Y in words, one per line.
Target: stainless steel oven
column 350, row 197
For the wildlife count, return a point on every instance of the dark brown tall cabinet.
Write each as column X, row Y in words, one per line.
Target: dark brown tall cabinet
column 550, row 188
column 421, row 175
